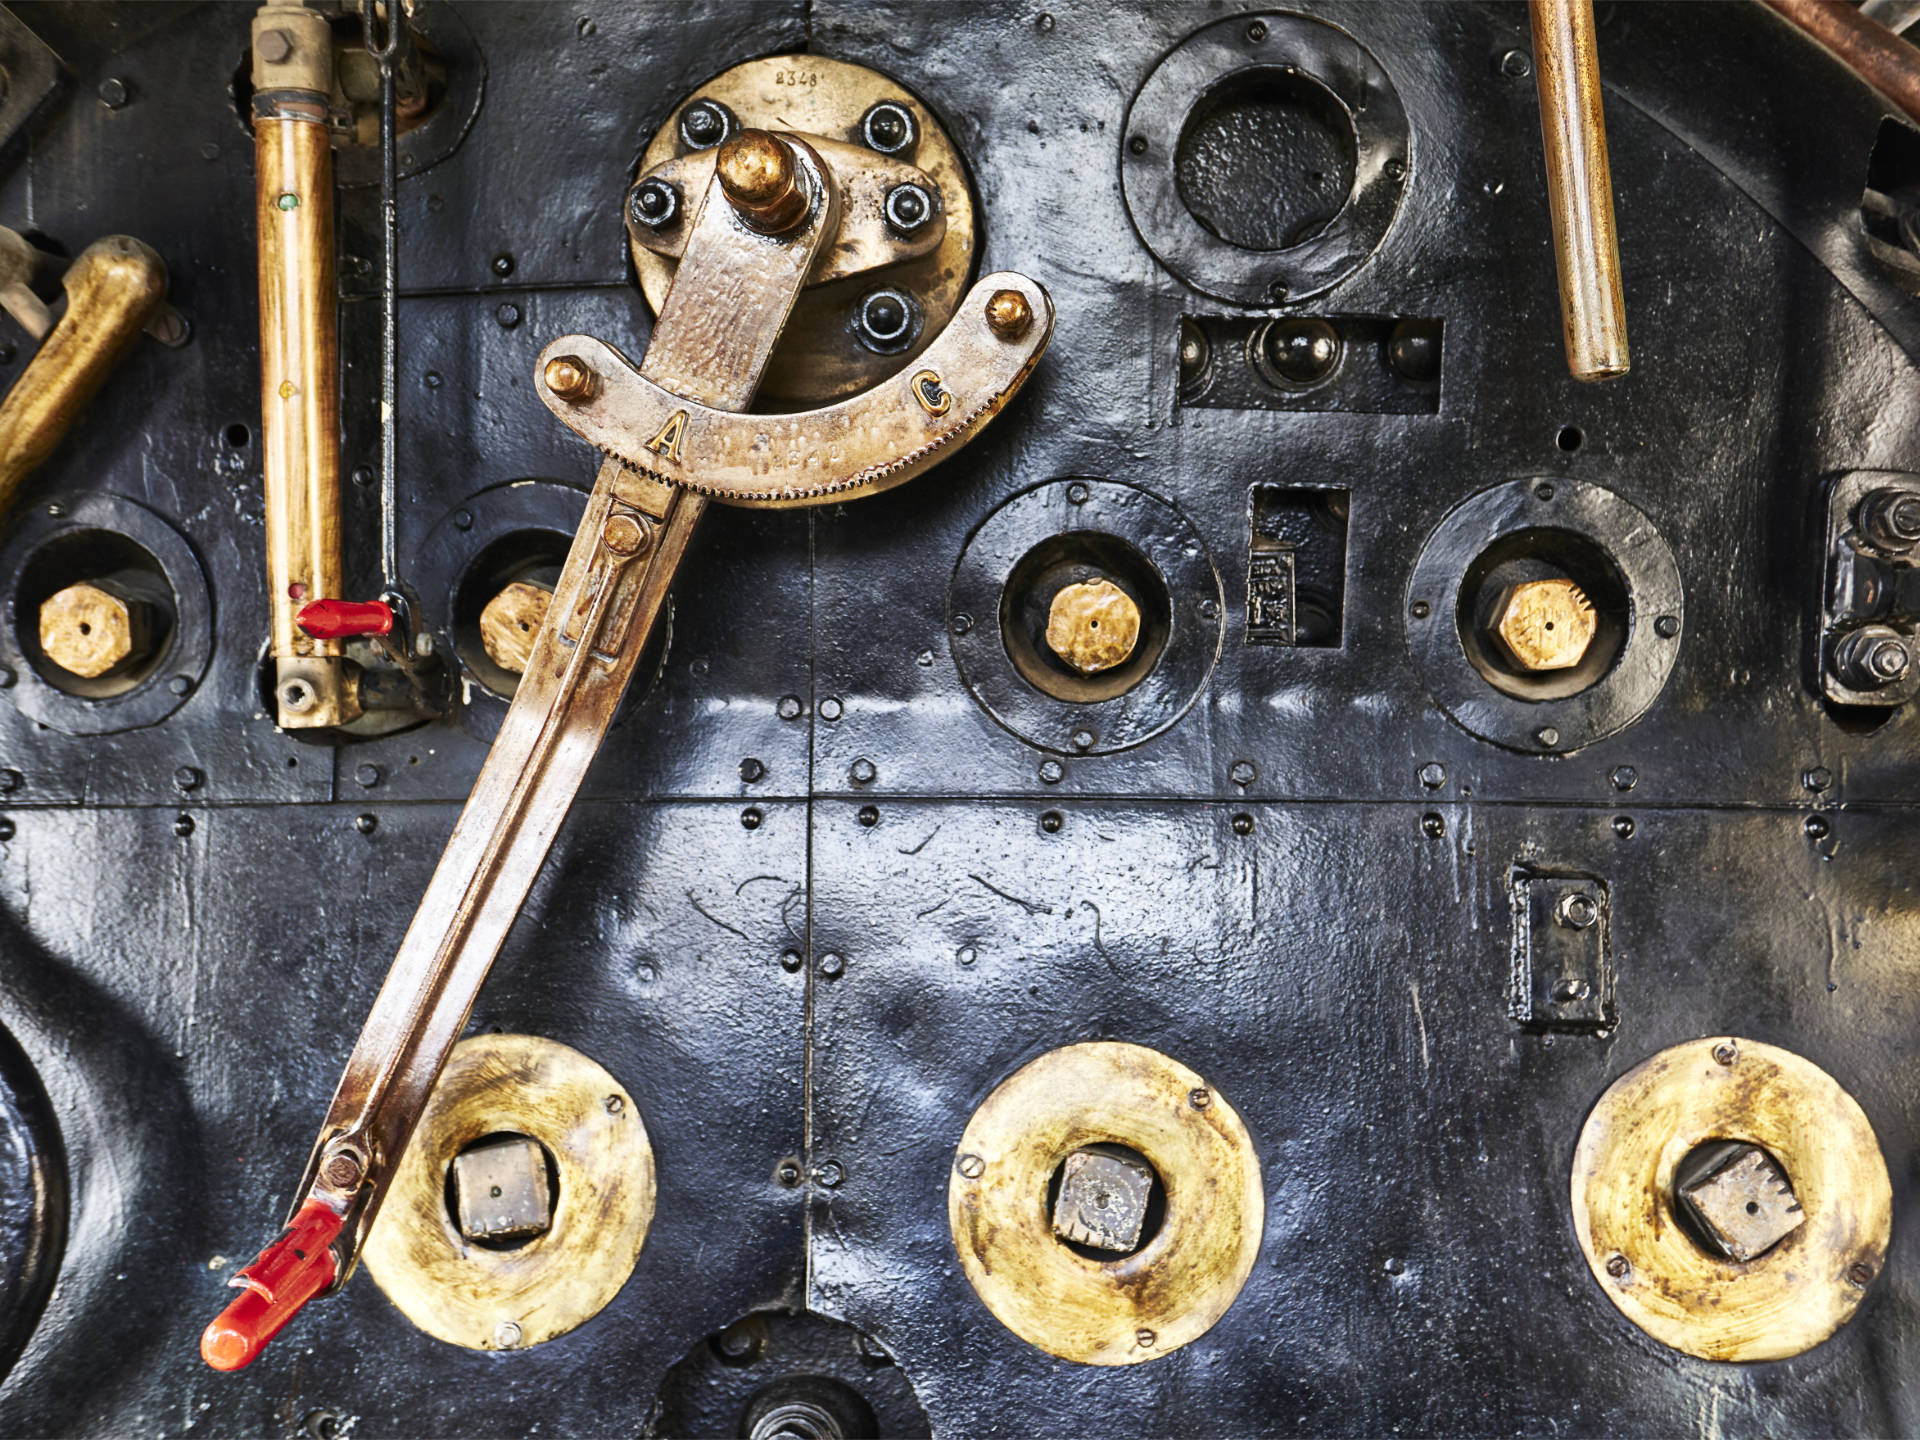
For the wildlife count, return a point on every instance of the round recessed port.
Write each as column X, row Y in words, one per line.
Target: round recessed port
column 1543, row 613
column 1266, row 158
column 1035, row 615
column 93, row 613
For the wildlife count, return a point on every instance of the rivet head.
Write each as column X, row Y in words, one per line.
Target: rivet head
column 1008, row 314
column 1617, row 1266
column 1200, row 1097
column 972, row 1166
column 569, row 377
column 1724, row 1053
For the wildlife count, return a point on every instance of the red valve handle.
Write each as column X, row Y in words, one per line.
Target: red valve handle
column 289, row 1273
column 343, row 619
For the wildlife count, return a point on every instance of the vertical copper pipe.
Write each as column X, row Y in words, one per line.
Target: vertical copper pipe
column 299, row 358
column 1579, row 188
column 1881, row 58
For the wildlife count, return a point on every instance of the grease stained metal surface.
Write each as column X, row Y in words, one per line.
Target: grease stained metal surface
column 1299, row 889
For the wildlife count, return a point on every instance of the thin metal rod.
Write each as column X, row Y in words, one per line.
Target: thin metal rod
column 386, row 52
column 1880, row 57
column 1579, row 188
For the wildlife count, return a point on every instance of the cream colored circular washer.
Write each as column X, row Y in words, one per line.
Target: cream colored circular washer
column 1782, row 1302
column 1138, row 1306
column 487, row 1299
column 818, row 360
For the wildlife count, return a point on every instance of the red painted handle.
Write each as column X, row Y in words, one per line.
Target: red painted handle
column 289, row 1273
column 343, row 619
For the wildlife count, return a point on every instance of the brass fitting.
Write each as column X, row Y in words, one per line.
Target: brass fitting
column 511, row 621
column 88, row 631
column 1008, row 314
column 569, row 377
column 760, row 179
column 1545, row 624
column 1093, row 625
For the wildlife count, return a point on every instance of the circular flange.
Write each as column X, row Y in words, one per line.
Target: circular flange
column 820, row 357
column 1789, row 1298
column 1124, row 533
column 488, row 1299
column 1651, row 625
column 1135, row 1307
column 33, row 1199
column 103, row 531
column 1214, row 60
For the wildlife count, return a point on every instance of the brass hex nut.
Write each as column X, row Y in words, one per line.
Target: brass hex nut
column 88, row 631
column 1545, row 624
column 1093, row 625
column 510, row 622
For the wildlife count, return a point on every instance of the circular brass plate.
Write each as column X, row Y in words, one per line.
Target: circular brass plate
column 1782, row 1302
column 818, row 360
column 487, row 1299
column 1134, row 1307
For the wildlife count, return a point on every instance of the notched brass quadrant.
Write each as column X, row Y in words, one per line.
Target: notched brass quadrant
column 1067, row 1294
column 1738, row 1124
column 435, row 1249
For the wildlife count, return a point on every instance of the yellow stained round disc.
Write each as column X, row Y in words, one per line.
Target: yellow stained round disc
column 1134, row 1307
column 488, row 1299
column 1783, row 1301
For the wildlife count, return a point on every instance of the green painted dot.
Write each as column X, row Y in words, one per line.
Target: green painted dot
column 289, row 201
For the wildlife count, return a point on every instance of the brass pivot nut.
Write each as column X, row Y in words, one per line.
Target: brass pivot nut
column 1093, row 625
column 570, row 378
column 510, row 622
column 626, row 535
column 88, row 631
column 1545, row 624
column 1008, row 314
column 761, row 181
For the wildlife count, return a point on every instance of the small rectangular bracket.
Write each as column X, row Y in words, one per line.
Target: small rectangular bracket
column 1296, row 565
column 1562, row 952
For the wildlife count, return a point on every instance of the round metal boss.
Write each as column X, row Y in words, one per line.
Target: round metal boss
column 1617, row 538
column 1304, row 73
column 1115, row 1311
column 1781, row 1302
column 822, row 356
column 56, row 544
column 488, row 1299
column 1067, row 531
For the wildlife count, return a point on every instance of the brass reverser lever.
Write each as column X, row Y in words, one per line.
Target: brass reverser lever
column 761, row 228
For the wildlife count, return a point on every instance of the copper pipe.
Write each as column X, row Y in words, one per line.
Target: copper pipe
column 1579, row 188
column 1880, row 57
column 299, row 359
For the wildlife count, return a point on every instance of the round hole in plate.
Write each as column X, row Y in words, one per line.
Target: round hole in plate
column 1067, row 559
column 1570, row 438
column 1266, row 158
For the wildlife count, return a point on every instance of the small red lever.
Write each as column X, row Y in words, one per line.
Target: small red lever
column 343, row 619
column 289, row 1273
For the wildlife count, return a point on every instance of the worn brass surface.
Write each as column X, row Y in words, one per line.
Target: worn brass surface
column 1573, row 132
column 1786, row 1300
column 1883, row 59
column 818, row 360
column 872, row 442
column 510, row 621
column 1134, row 1307
column 300, row 413
column 1093, row 625
column 113, row 289
column 865, row 241
column 503, row 1299
column 1545, row 624
column 87, row 630
column 734, row 292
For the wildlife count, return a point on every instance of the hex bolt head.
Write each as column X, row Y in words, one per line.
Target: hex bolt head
column 1872, row 657
column 1243, row 772
column 184, row 779
column 862, row 771
column 706, row 123
column 907, row 209
column 1624, row 778
column 1093, row 625
column 274, row 46
column 1301, row 351
column 752, row 770
column 1577, row 910
column 367, row 776
column 654, row 203
column 1052, row 772
column 829, row 1175
column 1543, row 625
column 113, row 92
column 1889, row 519
column 569, row 378
column 1433, row 775
column 889, row 128
column 1008, row 314
column 832, row 966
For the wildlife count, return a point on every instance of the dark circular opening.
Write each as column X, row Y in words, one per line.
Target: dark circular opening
column 1150, row 1224
column 1543, row 553
column 451, row 1193
column 1570, row 438
column 1069, row 559
column 123, row 568
column 1266, row 159
column 237, row 436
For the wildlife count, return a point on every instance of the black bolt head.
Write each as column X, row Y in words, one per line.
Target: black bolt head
column 908, row 208
column 1302, row 351
column 884, row 320
column 704, row 124
column 113, row 92
column 888, row 128
column 503, row 264
column 654, row 203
